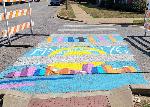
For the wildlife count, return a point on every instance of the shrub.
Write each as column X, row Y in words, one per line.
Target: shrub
column 92, row 1
column 135, row 6
column 139, row 5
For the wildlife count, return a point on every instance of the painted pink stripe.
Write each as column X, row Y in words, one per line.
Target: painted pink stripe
column 17, row 74
column 101, row 38
column 31, row 71
column 8, row 86
column 60, row 39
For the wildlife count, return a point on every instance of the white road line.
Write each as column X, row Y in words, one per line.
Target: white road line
column 142, row 27
column 88, row 30
column 102, row 25
column 85, row 34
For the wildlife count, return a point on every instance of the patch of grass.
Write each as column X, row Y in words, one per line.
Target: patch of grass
column 145, row 102
column 138, row 22
column 67, row 13
column 97, row 12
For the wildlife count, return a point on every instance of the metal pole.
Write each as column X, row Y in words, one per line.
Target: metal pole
column 144, row 23
column 31, row 29
column 5, row 13
column 145, row 16
column 66, row 4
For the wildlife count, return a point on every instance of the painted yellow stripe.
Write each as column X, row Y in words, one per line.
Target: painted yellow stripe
column 74, row 51
column 79, row 53
column 73, row 65
column 17, row 13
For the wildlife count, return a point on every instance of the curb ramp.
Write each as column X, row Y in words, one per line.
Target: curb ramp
column 121, row 97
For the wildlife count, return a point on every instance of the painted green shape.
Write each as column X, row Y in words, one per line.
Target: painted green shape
column 40, row 72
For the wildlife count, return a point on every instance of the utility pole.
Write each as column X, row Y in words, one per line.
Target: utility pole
column 66, row 4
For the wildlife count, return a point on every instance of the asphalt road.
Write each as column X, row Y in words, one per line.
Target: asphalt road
column 46, row 23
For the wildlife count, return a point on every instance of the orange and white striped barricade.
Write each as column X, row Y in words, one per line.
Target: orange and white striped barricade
column 147, row 17
column 146, row 23
column 147, row 26
column 8, row 1
column 15, row 29
column 6, row 16
column 147, row 13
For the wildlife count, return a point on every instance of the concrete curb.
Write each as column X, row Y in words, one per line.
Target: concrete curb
column 120, row 97
column 140, row 89
column 85, row 22
column 89, row 22
column 58, row 10
column 67, row 18
column 14, row 98
column 53, row 95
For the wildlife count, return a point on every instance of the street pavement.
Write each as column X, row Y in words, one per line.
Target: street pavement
column 77, row 49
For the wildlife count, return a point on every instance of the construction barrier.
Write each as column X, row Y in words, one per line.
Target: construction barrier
column 13, row 1
column 147, row 17
column 16, row 13
column 146, row 21
column 6, row 16
column 15, row 29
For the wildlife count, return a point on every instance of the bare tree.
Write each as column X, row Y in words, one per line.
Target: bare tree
column 66, row 4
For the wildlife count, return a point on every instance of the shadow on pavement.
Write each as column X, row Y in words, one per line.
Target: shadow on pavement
column 4, row 40
column 1, row 100
column 19, row 46
column 140, row 43
column 37, row 34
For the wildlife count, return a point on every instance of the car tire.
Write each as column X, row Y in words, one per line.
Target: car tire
column 52, row 4
column 8, row 3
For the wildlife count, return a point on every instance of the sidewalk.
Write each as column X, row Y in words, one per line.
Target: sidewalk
column 81, row 15
column 121, row 97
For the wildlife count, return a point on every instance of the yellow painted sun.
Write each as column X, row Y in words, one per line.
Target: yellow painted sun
column 73, row 65
column 77, row 51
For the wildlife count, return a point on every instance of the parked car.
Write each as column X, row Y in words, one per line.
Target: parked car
column 55, row 2
column 36, row 0
column 6, row 3
column 21, row 2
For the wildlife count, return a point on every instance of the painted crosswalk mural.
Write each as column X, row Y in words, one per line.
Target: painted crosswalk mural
column 74, row 62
